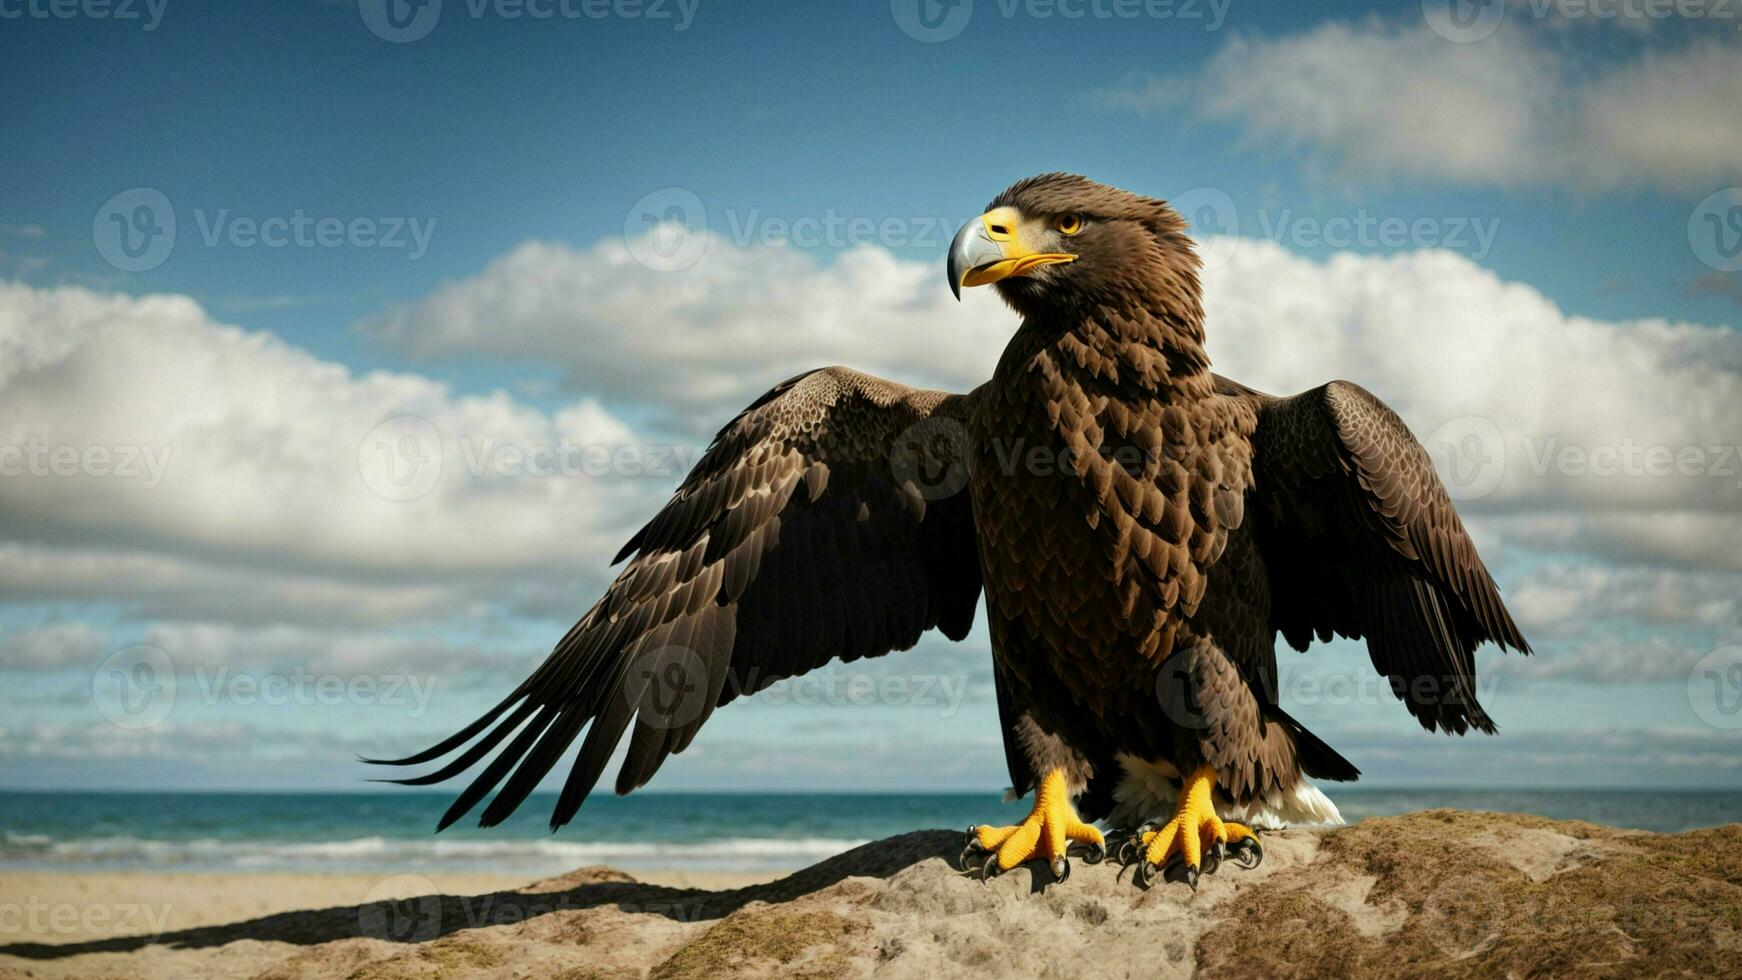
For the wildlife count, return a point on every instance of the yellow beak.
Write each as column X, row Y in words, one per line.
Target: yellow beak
column 993, row 247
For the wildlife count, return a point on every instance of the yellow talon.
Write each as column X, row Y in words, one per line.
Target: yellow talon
column 1047, row 831
column 1194, row 827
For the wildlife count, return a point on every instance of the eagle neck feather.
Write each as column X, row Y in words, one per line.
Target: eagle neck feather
column 1147, row 340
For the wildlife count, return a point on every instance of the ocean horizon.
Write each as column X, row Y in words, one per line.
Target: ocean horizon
column 392, row 832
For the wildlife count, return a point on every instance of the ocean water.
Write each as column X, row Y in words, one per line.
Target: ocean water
column 391, row 832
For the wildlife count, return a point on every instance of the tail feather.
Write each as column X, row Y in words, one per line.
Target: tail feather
column 1314, row 757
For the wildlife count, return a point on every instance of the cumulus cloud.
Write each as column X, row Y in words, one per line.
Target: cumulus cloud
column 1571, row 597
column 53, row 645
column 151, row 455
column 695, row 345
column 1381, row 99
column 1573, row 433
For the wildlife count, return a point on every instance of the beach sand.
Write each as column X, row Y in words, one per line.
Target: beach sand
column 69, row 906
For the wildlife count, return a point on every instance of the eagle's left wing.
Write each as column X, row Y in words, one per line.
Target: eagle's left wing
column 1361, row 540
column 828, row 520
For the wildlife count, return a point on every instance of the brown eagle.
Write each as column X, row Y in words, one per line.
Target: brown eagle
column 1142, row 528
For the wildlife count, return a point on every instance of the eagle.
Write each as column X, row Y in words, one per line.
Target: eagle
column 1142, row 530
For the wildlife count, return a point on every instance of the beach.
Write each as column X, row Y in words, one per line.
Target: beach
column 1440, row 892
column 68, row 906
column 316, row 885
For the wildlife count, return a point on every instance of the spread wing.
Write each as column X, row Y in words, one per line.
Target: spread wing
column 822, row 523
column 1361, row 540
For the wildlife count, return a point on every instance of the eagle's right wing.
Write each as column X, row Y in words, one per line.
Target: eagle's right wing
column 828, row 520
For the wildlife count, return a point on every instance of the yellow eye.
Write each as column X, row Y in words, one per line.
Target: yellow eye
column 1068, row 224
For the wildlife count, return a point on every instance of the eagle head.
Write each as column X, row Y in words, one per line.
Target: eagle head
column 1061, row 241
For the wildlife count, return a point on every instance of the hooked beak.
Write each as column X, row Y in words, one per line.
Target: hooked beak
column 992, row 247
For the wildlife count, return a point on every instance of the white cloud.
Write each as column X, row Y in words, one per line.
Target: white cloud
column 1378, row 99
column 209, row 646
column 1571, row 598
column 696, row 345
column 151, row 456
column 53, row 645
column 1576, row 415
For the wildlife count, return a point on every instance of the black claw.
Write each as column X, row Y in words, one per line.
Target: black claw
column 1144, row 876
column 965, row 861
column 1213, row 858
column 1061, row 868
column 970, row 849
column 1127, row 853
column 1247, row 853
column 1191, row 877
column 1129, row 849
column 1091, row 853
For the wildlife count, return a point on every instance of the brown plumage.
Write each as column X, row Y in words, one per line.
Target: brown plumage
column 1142, row 529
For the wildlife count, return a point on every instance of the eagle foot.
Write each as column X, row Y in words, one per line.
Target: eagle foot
column 1195, row 840
column 1052, row 831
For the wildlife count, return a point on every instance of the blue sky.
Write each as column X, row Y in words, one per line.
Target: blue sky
column 1551, row 180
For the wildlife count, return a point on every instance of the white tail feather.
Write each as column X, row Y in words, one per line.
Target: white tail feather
column 1150, row 791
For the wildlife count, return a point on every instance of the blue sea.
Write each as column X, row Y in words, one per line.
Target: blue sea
column 391, row 832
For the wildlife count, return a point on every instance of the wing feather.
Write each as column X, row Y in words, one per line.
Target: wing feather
column 1361, row 540
column 793, row 541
